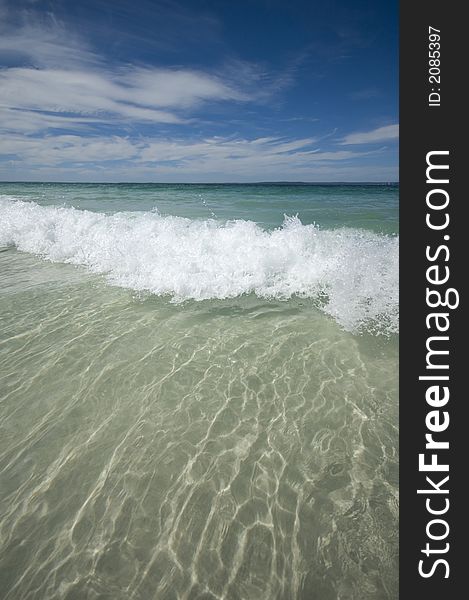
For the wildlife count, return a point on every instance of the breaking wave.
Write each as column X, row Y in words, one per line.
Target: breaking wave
column 350, row 274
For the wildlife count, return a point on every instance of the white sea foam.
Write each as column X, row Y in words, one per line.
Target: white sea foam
column 351, row 274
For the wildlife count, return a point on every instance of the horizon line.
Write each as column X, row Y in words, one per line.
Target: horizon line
column 279, row 182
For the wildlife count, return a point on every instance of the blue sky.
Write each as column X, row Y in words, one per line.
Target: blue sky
column 221, row 90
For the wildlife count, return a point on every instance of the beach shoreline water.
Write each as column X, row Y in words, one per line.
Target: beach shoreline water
column 239, row 445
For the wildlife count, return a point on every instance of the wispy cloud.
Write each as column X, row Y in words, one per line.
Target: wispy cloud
column 65, row 108
column 381, row 134
column 53, row 73
column 139, row 94
column 262, row 157
column 100, row 172
column 43, row 44
column 68, row 149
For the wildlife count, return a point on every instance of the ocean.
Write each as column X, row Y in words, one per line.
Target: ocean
column 198, row 391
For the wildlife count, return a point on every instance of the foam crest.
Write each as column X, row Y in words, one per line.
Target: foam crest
column 350, row 274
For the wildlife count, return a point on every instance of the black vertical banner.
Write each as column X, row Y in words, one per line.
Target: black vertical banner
column 433, row 266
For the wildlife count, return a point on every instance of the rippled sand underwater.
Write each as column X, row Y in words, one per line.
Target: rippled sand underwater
column 230, row 449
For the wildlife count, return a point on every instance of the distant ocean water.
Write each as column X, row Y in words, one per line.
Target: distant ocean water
column 199, row 390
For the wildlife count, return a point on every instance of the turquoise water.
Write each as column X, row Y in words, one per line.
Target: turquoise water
column 374, row 207
column 199, row 391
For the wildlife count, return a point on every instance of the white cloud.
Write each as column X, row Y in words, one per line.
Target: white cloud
column 140, row 95
column 45, row 45
column 174, row 88
column 55, row 73
column 57, row 84
column 134, row 172
column 382, row 134
column 206, row 159
column 29, row 121
column 62, row 149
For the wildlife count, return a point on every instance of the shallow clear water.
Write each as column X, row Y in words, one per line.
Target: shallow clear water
column 229, row 434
